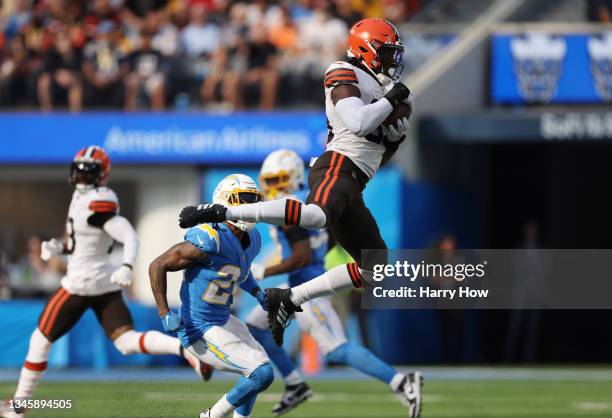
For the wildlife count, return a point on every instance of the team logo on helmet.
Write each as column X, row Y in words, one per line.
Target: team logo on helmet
column 538, row 64
column 600, row 52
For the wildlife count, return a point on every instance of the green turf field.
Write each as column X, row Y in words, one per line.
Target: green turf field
column 339, row 399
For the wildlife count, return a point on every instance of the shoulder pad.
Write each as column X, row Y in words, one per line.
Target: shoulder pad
column 340, row 72
column 205, row 237
column 104, row 199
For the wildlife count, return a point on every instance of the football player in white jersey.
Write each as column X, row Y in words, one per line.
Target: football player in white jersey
column 360, row 94
column 302, row 257
column 93, row 229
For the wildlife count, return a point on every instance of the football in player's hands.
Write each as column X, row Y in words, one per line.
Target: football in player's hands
column 50, row 248
column 399, row 119
column 398, row 132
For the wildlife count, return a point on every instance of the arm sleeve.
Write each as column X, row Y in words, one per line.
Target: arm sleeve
column 362, row 119
column 121, row 230
column 249, row 284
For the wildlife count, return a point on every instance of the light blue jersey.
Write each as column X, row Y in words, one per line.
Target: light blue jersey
column 318, row 244
column 208, row 287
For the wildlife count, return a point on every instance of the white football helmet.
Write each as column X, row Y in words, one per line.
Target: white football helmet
column 281, row 174
column 237, row 189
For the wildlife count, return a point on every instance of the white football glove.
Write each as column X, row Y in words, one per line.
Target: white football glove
column 50, row 248
column 257, row 270
column 122, row 276
column 396, row 133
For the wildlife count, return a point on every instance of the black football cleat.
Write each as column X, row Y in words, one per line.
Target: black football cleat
column 204, row 213
column 280, row 310
column 293, row 396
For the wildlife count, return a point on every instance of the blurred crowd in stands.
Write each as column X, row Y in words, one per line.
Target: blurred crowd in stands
column 157, row 54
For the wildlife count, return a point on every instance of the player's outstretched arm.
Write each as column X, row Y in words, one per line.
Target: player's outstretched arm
column 301, row 253
column 120, row 229
column 177, row 257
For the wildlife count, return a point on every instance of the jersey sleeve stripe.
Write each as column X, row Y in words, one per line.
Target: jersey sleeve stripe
column 336, row 71
column 103, row 206
column 340, row 80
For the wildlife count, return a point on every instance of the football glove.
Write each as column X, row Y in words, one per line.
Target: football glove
column 398, row 93
column 50, row 248
column 258, row 270
column 171, row 321
column 396, row 134
column 261, row 298
column 122, row 276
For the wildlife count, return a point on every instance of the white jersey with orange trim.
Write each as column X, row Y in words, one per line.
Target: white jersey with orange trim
column 366, row 152
column 90, row 248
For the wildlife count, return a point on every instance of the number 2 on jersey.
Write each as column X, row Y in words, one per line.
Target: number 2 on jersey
column 219, row 291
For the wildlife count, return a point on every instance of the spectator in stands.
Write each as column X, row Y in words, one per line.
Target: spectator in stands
column 22, row 14
column 222, row 82
column 146, row 75
column 599, row 10
column 61, row 73
column 200, row 38
column 261, row 72
column 283, row 33
column 324, row 37
column 31, row 276
column 15, row 71
column 104, row 67
column 344, row 10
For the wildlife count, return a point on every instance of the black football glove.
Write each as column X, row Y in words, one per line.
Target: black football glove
column 188, row 217
column 194, row 215
column 398, row 92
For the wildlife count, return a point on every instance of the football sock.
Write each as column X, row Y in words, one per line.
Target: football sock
column 34, row 366
column 339, row 278
column 148, row 342
column 245, row 388
column 277, row 354
column 294, row 378
column 279, row 212
column 363, row 360
column 222, row 408
column 396, row 382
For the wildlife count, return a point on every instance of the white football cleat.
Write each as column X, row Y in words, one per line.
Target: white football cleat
column 205, row 414
column 409, row 393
